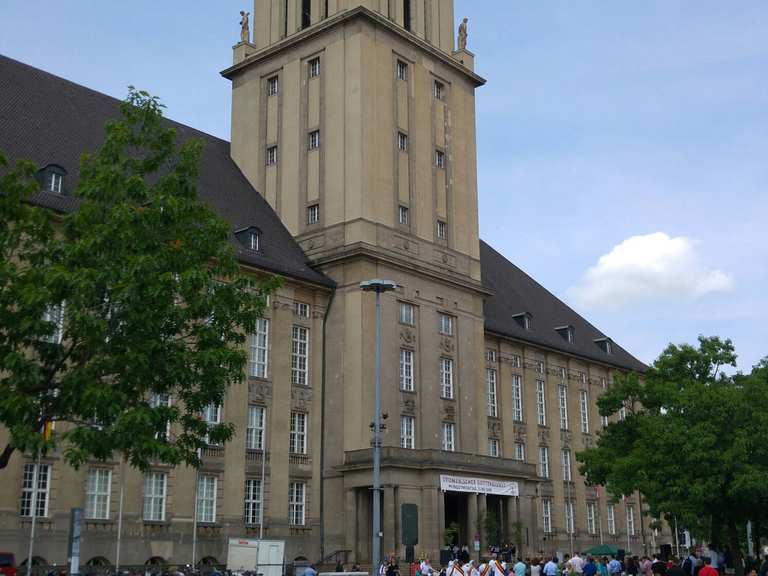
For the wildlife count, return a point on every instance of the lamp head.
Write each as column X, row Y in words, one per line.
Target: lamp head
column 378, row 285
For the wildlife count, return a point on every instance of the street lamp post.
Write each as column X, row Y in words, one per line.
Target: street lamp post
column 378, row 286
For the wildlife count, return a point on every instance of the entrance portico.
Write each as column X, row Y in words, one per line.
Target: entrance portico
column 450, row 492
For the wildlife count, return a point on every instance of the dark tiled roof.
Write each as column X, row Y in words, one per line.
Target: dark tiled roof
column 514, row 292
column 49, row 120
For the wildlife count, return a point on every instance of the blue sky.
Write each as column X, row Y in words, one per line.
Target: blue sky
column 623, row 146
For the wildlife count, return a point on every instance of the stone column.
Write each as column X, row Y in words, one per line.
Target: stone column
column 350, row 517
column 388, row 542
column 510, row 519
column 440, row 516
column 482, row 513
column 471, row 521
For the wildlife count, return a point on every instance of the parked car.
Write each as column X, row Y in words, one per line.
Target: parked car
column 7, row 564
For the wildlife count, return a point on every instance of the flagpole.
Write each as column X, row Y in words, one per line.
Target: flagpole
column 120, row 516
column 626, row 514
column 35, row 489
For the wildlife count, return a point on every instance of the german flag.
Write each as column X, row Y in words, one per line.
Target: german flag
column 47, row 430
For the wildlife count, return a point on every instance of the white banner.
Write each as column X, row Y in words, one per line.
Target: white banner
column 478, row 485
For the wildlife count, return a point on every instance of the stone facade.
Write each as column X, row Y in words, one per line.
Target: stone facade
column 356, row 121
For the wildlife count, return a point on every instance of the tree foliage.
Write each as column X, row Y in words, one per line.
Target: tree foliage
column 154, row 304
column 693, row 441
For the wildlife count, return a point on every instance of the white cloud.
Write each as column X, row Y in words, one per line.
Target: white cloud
column 648, row 268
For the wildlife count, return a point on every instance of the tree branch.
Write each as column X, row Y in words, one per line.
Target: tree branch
column 5, row 457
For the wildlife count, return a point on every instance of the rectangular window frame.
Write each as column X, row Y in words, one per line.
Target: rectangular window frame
column 611, row 513
column 446, row 324
column 297, row 437
column 449, row 437
column 401, row 70
column 273, row 86
column 562, row 402
column 313, row 214
column 39, row 496
column 494, row 448
column 446, row 378
column 313, row 67
column 440, row 159
column 403, row 215
column 541, row 403
column 98, row 490
column 272, row 155
column 520, row 451
column 258, row 366
column 313, row 140
column 584, row 411
column 207, row 492
column 297, row 503
column 543, row 462
column 407, row 314
column 546, row 515
column 407, row 432
column 402, row 142
column 517, row 398
column 155, row 495
column 255, row 432
column 252, row 504
column 491, row 389
column 567, row 467
column 406, row 370
column 300, row 356
column 591, row 515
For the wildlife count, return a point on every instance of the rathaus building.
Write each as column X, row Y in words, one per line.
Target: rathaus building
column 353, row 156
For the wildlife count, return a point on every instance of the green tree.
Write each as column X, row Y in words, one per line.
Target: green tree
column 692, row 443
column 124, row 319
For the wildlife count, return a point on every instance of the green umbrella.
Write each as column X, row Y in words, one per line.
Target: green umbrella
column 603, row 550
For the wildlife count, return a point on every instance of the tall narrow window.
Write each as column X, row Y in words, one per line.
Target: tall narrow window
column 314, row 140
column 562, row 396
column 604, row 419
column 402, row 70
column 517, row 398
column 546, row 515
column 520, row 451
column 55, row 315
column 402, row 141
column 541, row 403
column 439, row 159
column 271, row 155
column 407, row 14
column 407, row 432
column 161, row 400
column 631, row 520
column 406, row 370
column 402, row 215
column 611, row 511
column 252, row 510
column 490, row 385
column 212, row 417
column 300, row 356
column 40, row 494
column 314, row 67
column 297, row 503
column 313, row 214
column 206, row 499
column 97, row 493
column 273, row 86
column 155, row 484
column 566, row 461
column 494, row 448
column 569, row 526
column 442, row 230
column 407, row 315
column 439, row 89
column 446, row 378
column 254, row 432
column 297, row 440
column 449, row 436
column 259, row 343
column 446, row 325
column 55, row 182
column 306, row 13
column 591, row 514
column 584, row 411
column 543, row 461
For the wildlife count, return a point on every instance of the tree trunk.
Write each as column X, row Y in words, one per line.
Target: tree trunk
column 735, row 544
column 5, row 456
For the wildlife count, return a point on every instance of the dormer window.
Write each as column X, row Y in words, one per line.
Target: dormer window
column 606, row 345
column 524, row 319
column 250, row 238
column 51, row 179
column 567, row 333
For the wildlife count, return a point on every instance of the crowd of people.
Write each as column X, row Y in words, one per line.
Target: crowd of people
column 502, row 563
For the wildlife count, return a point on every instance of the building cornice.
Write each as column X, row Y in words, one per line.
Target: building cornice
column 348, row 16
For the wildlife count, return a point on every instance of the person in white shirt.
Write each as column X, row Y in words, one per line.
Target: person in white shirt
column 425, row 568
column 577, row 563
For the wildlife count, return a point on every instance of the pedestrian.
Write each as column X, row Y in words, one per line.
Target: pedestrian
column 632, row 568
column 707, row 569
column 658, row 567
column 590, row 568
column 577, row 563
column 425, row 568
column 676, row 569
column 519, row 568
column 689, row 564
column 393, row 569
column 536, row 566
column 645, row 566
column 339, row 566
column 310, row 570
column 355, row 567
column 551, row 568
column 614, row 567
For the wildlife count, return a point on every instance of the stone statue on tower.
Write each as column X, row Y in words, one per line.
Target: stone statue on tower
column 245, row 26
column 463, row 34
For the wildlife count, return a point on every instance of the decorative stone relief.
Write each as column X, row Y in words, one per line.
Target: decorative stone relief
column 543, row 436
column 565, row 438
column 260, row 391
column 520, row 433
column 450, row 412
column 409, row 406
column 408, row 336
column 494, row 428
column 447, row 345
column 302, row 398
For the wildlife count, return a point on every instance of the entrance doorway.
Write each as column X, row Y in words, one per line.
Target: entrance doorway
column 456, row 531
